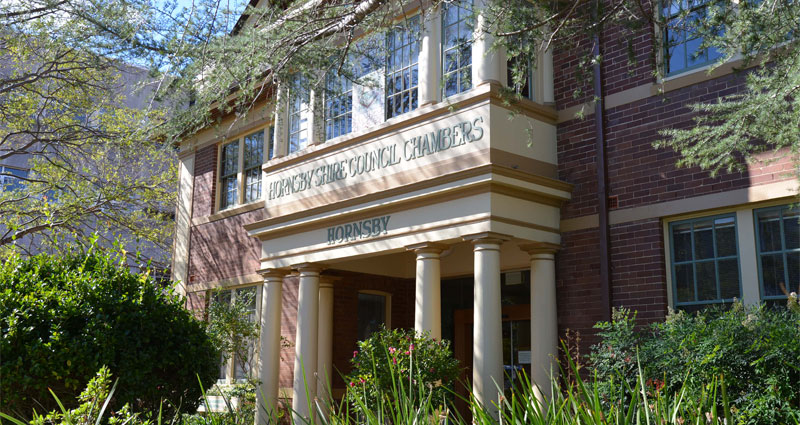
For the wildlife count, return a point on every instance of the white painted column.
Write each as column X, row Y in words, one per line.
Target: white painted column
column 487, row 342
column 544, row 318
column 428, row 298
column 281, row 122
column 488, row 66
column 430, row 59
column 183, row 221
column 748, row 257
column 316, row 119
column 548, row 87
column 304, row 389
column 270, row 347
column 325, row 342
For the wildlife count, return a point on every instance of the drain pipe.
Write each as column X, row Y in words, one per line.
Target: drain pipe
column 601, row 164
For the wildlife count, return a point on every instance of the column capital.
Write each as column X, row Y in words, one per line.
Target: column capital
column 487, row 237
column 273, row 273
column 327, row 281
column 538, row 248
column 427, row 248
column 307, row 268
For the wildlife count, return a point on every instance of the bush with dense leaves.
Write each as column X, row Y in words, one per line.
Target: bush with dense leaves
column 63, row 318
column 394, row 358
column 755, row 352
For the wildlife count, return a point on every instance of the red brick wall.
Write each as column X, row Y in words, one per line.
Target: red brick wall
column 205, row 181
column 638, row 175
column 222, row 249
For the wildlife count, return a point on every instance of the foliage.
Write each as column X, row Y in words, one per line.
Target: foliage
column 239, row 400
column 754, row 351
column 83, row 122
column 744, row 127
column 94, row 401
column 394, row 358
column 231, row 326
column 63, row 317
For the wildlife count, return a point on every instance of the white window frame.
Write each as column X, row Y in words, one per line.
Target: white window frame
column 268, row 152
column 749, row 275
column 443, row 49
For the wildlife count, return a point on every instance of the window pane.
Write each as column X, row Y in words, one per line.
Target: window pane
column 769, row 230
column 254, row 150
column 793, row 267
column 725, row 232
column 684, row 282
column 682, row 241
column 371, row 314
column 728, row 279
column 703, row 240
column 791, row 228
column 706, row 281
column 772, row 274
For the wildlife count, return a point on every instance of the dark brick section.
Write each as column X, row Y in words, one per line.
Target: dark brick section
column 345, row 313
column 638, row 270
column 205, row 181
column 576, row 165
column 222, row 249
column 570, row 79
column 628, row 58
column 578, row 285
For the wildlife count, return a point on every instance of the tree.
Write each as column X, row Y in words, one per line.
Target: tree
column 62, row 318
column 735, row 130
column 85, row 123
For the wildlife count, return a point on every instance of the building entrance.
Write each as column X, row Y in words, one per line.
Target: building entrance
column 458, row 318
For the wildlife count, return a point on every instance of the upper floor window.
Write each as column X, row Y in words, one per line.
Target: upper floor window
column 457, row 47
column 682, row 51
column 778, row 244
column 402, row 73
column 240, row 169
column 299, row 115
column 12, row 178
column 338, row 105
column 522, row 84
column 705, row 261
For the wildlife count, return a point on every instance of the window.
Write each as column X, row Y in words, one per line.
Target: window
column 525, row 87
column 299, row 115
column 402, row 73
column 228, row 175
column 234, row 365
column 778, row 247
column 253, row 158
column 338, row 105
column 457, row 47
column 11, row 178
column 682, row 50
column 705, row 261
column 240, row 169
column 373, row 312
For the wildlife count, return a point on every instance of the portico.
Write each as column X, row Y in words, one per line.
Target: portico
column 446, row 194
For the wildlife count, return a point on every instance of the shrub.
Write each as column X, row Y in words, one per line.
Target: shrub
column 92, row 408
column 754, row 351
column 400, row 361
column 64, row 317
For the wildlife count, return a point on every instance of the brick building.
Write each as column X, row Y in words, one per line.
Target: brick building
column 421, row 204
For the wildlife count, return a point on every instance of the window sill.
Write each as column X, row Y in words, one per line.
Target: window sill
column 695, row 76
column 230, row 212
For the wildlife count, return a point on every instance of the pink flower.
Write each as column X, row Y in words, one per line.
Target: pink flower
column 408, row 352
column 362, row 380
column 352, row 384
column 411, row 347
column 355, row 353
column 392, row 350
column 394, row 361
